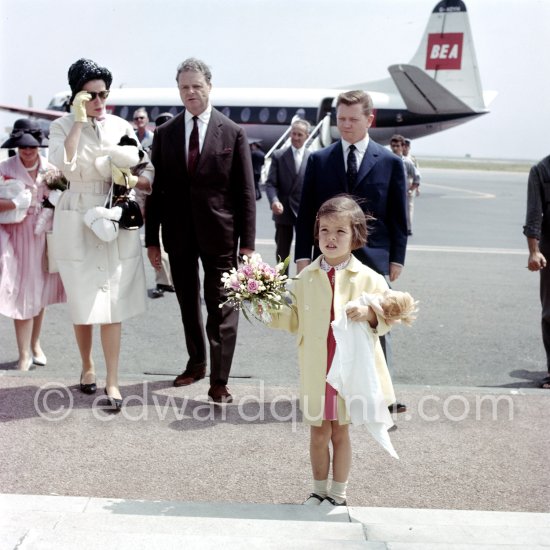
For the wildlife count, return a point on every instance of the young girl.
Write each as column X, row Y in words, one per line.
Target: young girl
column 320, row 294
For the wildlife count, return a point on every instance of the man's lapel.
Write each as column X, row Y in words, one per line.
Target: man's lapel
column 369, row 160
column 176, row 140
column 337, row 162
column 288, row 159
column 211, row 139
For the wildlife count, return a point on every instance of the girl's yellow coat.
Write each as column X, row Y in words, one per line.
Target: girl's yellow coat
column 309, row 318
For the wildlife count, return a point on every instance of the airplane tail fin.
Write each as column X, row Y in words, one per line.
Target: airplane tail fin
column 443, row 75
column 447, row 53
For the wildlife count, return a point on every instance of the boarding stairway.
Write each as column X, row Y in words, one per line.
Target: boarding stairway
column 320, row 137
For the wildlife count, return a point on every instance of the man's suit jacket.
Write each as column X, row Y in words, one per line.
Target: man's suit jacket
column 215, row 209
column 381, row 184
column 285, row 185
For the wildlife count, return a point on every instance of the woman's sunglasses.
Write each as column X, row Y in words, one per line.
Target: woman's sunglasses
column 102, row 95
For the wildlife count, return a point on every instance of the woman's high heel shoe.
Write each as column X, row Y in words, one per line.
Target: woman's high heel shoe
column 88, row 389
column 116, row 404
column 39, row 361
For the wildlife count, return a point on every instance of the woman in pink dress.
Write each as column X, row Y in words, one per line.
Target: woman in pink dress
column 25, row 288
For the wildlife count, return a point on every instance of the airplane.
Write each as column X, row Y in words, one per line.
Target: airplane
column 438, row 89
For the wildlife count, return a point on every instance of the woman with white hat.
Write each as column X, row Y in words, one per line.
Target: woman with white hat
column 25, row 287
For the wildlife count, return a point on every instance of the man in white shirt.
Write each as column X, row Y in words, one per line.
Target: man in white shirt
column 145, row 136
column 398, row 146
column 204, row 199
column 284, row 186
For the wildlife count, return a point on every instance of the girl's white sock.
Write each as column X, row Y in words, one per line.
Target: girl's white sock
column 338, row 491
column 320, row 487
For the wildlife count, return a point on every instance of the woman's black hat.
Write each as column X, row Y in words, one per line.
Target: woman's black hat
column 25, row 133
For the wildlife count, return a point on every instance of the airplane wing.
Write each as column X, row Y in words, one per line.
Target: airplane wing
column 31, row 111
column 423, row 95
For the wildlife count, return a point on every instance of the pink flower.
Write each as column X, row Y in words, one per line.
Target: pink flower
column 253, row 286
column 248, row 270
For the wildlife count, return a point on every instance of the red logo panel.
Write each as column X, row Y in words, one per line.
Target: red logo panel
column 444, row 51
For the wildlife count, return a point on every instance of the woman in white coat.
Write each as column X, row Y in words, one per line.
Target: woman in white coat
column 104, row 281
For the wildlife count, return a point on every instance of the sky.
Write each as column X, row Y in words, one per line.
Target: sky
column 285, row 43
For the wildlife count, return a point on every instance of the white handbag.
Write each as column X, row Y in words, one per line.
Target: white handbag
column 14, row 189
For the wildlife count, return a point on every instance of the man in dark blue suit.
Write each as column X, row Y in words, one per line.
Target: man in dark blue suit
column 371, row 174
column 374, row 176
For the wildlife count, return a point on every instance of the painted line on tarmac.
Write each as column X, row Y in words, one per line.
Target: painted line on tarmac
column 476, row 194
column 466, row 249
column 434, row 248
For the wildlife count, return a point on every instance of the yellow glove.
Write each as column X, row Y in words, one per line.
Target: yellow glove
column 123, row 176
column 79, row 106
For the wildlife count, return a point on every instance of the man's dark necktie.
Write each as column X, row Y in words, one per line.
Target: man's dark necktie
column 193, row 156
column 352, row 168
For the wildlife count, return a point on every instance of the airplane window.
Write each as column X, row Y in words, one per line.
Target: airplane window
column 227, row 112
column 124, row 113
column 174, row 111
column 264, row 115
column 281, row 115
column 245, row 114
column 301, row 113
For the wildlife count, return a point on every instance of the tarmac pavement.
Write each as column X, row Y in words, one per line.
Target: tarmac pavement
column 473, row 438
column 170, row 452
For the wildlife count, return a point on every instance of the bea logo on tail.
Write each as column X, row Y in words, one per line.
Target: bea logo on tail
column 444, row 51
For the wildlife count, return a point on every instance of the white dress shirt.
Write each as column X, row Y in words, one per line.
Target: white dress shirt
column 298, row 157
column 360, row 150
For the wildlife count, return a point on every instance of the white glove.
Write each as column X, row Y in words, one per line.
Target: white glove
column 79, row 106
column 23, row 199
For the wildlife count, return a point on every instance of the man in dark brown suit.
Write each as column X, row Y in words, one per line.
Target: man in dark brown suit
column 204, row 199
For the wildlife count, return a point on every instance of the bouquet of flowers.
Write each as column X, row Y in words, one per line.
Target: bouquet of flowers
column 255, row 287
column 56, row 182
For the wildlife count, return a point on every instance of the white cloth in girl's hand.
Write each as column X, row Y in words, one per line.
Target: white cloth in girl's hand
column 353, row 374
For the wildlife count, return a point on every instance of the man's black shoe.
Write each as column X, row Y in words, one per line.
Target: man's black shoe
column 157, row 293
column 166, row 288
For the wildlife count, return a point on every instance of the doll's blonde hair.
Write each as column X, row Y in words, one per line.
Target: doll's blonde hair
column 399, row 306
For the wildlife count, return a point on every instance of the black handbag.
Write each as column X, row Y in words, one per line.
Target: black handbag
column 132, row 217
column 119, row 195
